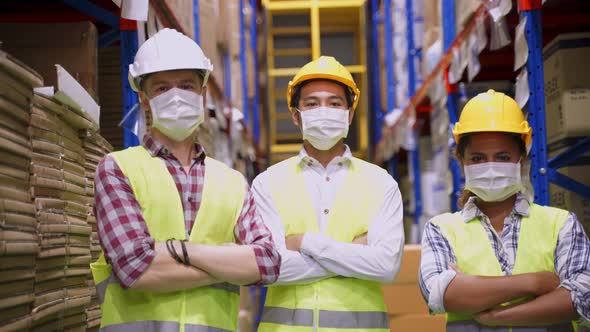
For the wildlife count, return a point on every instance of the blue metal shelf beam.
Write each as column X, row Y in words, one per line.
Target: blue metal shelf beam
column 108, row 38
column 415, row 153
column 376, row 73
column 243, row 68
column 197, row 29
column 95, row 11
column 389, row 53
column 129, row 46
column 254, row 48
column 536, row 105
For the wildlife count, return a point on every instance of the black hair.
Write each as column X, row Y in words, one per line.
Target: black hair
column 297, row 92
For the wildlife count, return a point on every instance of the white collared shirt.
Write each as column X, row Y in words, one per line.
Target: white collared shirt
column 321, row 256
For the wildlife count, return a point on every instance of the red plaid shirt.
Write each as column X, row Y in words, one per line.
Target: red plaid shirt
column 124, row 235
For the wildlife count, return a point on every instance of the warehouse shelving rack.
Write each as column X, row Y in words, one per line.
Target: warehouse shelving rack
column 543, row 170
column 318, row 17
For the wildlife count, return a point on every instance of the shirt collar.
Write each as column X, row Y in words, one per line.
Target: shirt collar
column 157, row 149
column 522, row 207
column 305, row 159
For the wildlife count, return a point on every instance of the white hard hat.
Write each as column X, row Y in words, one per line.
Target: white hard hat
column 168, row 49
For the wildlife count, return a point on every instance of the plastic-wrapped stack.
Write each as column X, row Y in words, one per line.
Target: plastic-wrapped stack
column 18, row 226
column 58, row 185
column 96, row 147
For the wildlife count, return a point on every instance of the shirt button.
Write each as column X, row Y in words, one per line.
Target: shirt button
column 326, row 211
column 309, row 163
column 190, row 198
column 340, row 164
column 327, row 178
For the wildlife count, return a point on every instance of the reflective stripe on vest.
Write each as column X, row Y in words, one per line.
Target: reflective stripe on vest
column 330, row 319
column 155, row 326
column 285, row 316
column 354, row 319
column 154, row 188
column 469, row 241
column 336, row 302
column 473, row 326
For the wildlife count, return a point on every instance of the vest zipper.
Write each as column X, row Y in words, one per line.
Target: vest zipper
column 316, row 311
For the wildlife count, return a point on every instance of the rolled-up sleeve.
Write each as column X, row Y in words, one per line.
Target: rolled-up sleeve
column 122, row 230
column 572, row 263
column 250, row 230
column 435, row 274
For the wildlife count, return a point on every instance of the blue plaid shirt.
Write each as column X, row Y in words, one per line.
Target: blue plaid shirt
column 572, row 255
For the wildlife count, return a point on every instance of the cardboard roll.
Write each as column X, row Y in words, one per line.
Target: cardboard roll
column 66, row 324
column 59, row 309
column 49, row 240
column 93, row 313
column 48, row 218
column 21, row 174
column 61, row 261
column 16, row 274
column 65, row 228
column 18, row 262
column 57, row 162
column 63, row 251
column 71, row 282
column 57, row 205
column 58, row 150
column 15, row 161
column 9, row 146
column 16, row 300
column 17, row 193
column 10, row 122
column 100, row 141
column 13, row 242
column 18, row 287
column 91, row 219
column 41, row 119
column 59, row 175
column 20, row 324
column 46, row 188
column 95, row 248
column 12, row 206
column 47, row 104
column 62, row 273
column 16, row 221
column 60, row 294
column 16, row 68
column 20, row 138
column 15, row 91
column 14, row 110
column 77, row 121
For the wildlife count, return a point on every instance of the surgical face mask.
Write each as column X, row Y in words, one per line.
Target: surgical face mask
column 493, row 181
column 177, row 113
column 323, row 127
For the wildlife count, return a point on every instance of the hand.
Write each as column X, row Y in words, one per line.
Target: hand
column 293, row 242
column 544, row 282
column 361, row 239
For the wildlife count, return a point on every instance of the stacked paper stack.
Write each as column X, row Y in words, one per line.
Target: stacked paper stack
column 96, row 147
column 58, row 184
column 18, row 227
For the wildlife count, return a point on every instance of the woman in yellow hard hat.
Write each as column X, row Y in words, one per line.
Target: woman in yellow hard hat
column 503, row 260
column 337, row 220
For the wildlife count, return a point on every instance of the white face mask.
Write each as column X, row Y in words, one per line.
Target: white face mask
column 323, row 127
column 493, row 182
column 177, row 113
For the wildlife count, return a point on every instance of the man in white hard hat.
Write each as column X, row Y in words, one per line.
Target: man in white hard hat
column 166, row 212
column 336, row 219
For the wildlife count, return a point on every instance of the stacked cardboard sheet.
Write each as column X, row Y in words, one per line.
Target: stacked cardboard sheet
column 58, row 184
column 18, row 226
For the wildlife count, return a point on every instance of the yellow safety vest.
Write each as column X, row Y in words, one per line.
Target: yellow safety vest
column 337, row 303
column 212, row 308
column 537, row 242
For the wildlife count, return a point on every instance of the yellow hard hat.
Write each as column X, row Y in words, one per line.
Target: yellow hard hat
column 325, row 67
column 493, row 111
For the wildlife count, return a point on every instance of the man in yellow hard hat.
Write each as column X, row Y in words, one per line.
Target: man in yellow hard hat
column 503, row 260
column 166, row 212
column 337, row 220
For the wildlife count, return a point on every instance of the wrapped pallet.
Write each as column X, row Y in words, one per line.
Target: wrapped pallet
column 18, row 227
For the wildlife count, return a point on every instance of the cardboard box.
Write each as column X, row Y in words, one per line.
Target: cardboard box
column 464, row 9
column 408, row 272
column 567, row 117
column 565, row 69
column 183, row 11
column 42, row 45
column 565, row 199
column 404, row 298
column 417, row 323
